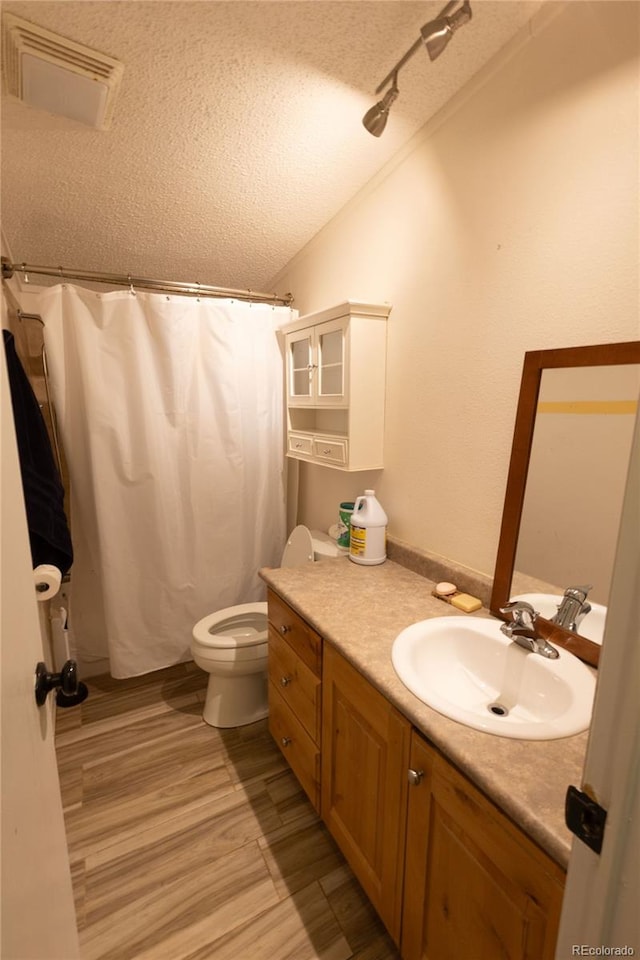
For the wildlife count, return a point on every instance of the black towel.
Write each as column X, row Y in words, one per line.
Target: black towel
column 43, row 491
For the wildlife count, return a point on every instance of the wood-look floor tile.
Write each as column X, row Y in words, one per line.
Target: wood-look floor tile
column 153, row 765
column 97, row 742
column 360, row 923
column 289, row 798
column 70, row 778
column 301, row 927
column 109, row 820
column 79, row 892
column 105, row 685
column 153, row 858
column 299, row 853
column 251, row 752
column 137, row 697
column 203, row 904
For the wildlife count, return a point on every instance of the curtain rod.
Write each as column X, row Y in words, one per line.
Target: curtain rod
column 168, row 286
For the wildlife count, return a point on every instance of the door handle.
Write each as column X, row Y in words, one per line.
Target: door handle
column 71, row 690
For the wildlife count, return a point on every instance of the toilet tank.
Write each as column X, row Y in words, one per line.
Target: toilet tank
column 325, row 547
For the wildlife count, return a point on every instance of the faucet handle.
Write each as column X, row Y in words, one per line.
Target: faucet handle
column 579, row 593
column 521, row 611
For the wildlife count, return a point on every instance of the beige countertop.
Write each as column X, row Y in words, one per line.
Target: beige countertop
column 360, row 610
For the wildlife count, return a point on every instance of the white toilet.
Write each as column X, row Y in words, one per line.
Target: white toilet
column 231, row 644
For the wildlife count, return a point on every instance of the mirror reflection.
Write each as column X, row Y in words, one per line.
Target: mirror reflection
column 576, row 478
column 567, row 476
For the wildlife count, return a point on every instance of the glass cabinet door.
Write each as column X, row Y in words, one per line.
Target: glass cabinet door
column 300, row 365
column 331, row 361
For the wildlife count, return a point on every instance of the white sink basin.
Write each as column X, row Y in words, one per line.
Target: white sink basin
column 591, row 626
column 469, row 671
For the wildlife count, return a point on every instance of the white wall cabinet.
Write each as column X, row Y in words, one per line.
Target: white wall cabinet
column 335, row 368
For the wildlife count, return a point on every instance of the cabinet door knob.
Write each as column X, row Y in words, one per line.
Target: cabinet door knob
column 285, row 741
column 415, row 777
column 285, row 681
column 285, row 628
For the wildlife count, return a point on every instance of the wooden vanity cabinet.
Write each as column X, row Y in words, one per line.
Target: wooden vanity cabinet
column 475, row 885
column 295, row 663
column 450, row 875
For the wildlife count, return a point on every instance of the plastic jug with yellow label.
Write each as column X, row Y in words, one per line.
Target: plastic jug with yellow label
column 368, row 541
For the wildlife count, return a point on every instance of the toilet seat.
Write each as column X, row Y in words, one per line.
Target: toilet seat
column 299, row 548
column 239, row 631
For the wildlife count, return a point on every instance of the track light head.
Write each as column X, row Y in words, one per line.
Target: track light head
column 375, row 119
column 435, row 35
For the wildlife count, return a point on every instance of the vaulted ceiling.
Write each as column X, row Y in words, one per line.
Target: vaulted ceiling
column 236, row 133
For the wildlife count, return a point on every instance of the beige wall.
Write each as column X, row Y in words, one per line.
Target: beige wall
column 510, row 225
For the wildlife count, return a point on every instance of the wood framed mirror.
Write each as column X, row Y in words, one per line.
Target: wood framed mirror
column 567, row 473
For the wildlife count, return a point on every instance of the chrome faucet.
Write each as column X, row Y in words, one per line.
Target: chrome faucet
column 523, row 630
column 573, row 608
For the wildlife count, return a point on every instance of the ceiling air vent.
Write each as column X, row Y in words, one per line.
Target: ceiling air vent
column 52, row 73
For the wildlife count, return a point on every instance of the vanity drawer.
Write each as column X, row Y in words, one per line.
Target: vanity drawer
column 333, row 451
column 299, row 686
column 300, row 445
column 299, row 750
column 298, row 634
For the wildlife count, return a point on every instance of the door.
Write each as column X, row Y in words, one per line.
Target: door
column 38, row 917
column 317, row 365
column 600, row 908
column 331, row 370
column 475, row 885
column 365, row 755
column 300, row 367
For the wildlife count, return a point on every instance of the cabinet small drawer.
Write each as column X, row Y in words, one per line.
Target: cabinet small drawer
column 298, row 634
column 300, row 444
column 299, row 750
column 299, row 687
column 333, row 451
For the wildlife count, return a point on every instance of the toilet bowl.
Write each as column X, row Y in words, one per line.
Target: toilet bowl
column 231, row 644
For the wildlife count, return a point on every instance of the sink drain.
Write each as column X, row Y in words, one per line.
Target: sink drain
column 497, row 709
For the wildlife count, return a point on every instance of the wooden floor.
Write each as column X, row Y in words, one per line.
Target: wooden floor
column 189, row 843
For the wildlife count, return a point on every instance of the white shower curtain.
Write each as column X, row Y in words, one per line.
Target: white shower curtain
column 170, row 410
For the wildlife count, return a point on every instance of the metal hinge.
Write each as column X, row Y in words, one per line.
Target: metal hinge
column 585, row 818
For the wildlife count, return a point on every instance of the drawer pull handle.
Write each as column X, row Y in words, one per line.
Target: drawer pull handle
column 327, row 451
column 415, row 777
column 285, row 741
column 298, row 445
column 285, row 681
column 285, row 628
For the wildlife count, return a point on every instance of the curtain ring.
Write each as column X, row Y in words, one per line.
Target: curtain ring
column 131, row 290
column 24, row 272
column 198, row 286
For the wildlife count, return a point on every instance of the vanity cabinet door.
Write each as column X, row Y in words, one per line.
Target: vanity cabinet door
column 365, row 751
column 475, row 885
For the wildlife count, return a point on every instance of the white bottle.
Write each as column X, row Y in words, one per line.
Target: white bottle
column 368, row 541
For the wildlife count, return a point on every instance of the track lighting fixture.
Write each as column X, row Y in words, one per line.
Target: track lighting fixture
column 435, row 35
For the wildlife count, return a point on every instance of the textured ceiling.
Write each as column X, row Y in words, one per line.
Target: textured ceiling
column 236, row 134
